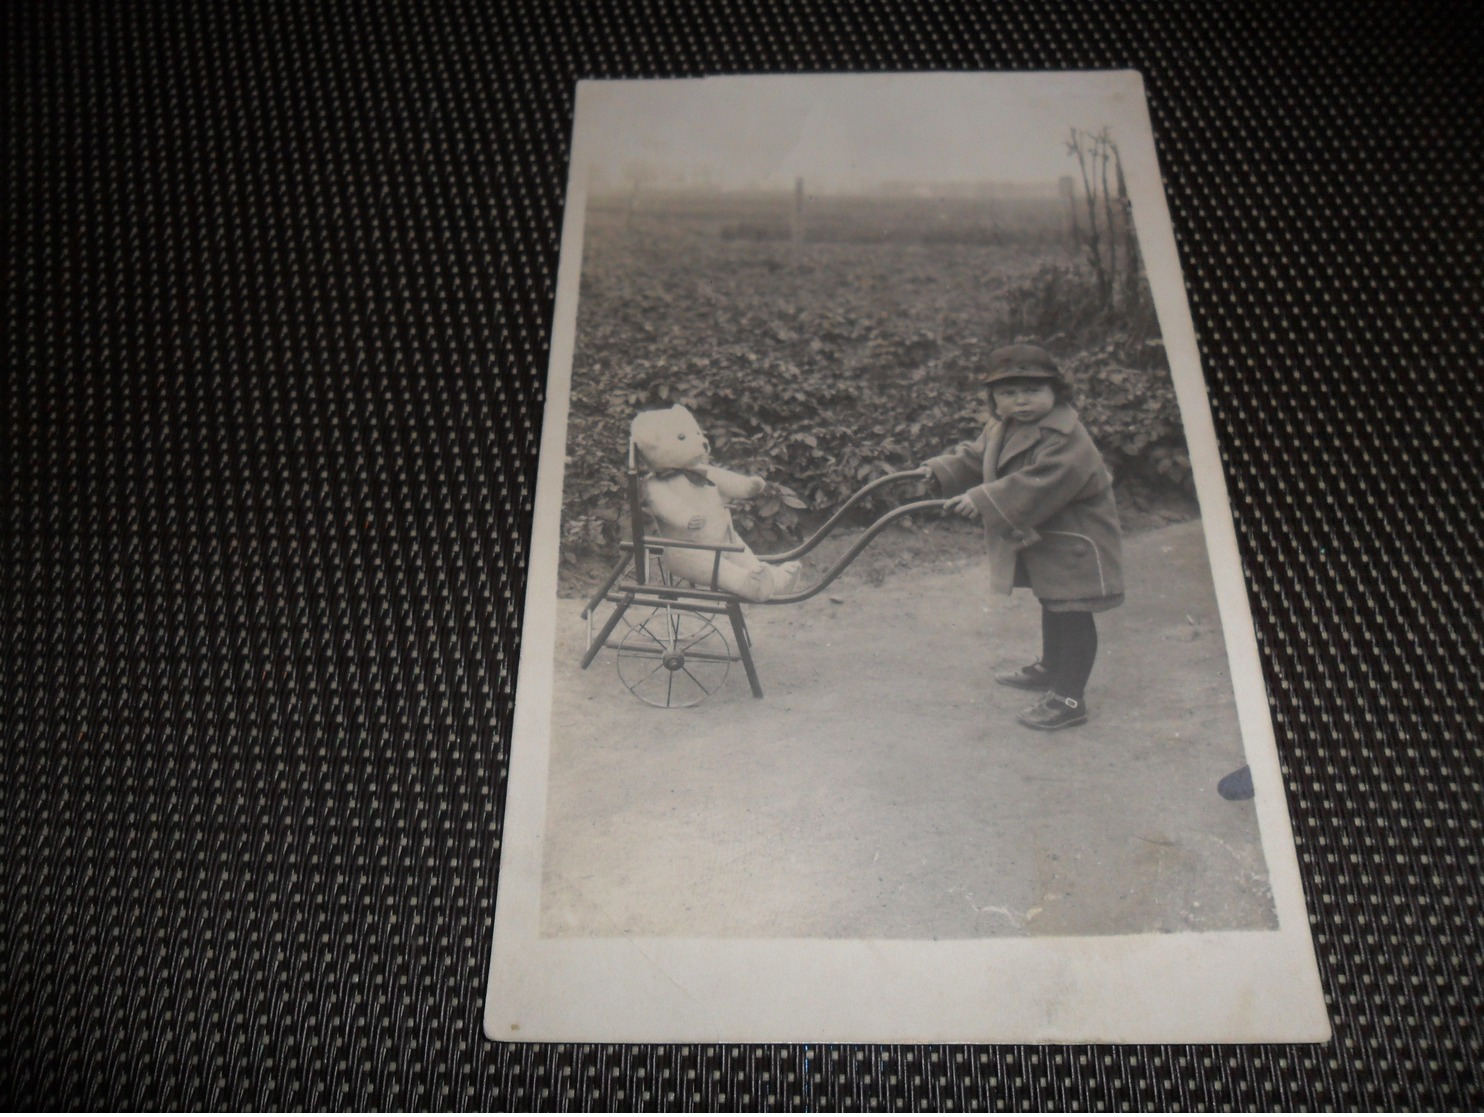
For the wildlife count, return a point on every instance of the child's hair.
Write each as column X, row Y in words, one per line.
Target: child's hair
column 1057, row 383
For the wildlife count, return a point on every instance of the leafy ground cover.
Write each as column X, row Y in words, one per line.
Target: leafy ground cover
column 825, row 364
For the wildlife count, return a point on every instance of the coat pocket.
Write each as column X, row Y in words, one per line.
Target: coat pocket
column 1070, row 565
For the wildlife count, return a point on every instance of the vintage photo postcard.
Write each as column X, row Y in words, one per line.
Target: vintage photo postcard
column 887, row 673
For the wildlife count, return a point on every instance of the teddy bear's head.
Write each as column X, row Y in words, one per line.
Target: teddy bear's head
column 670, row 439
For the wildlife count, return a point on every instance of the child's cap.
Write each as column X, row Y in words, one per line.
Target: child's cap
column 1021, row 362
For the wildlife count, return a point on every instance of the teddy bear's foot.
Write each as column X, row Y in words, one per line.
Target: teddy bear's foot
column 786, row 577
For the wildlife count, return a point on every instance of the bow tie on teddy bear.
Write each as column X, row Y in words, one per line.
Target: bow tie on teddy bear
column 697, row 477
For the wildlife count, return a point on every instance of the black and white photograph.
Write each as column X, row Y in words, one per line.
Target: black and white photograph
column 832, row 557
column 887, row 671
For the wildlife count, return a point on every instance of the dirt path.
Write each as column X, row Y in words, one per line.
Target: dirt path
column 882, row 788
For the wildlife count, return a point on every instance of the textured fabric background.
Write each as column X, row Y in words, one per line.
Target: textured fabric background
column 279, row 282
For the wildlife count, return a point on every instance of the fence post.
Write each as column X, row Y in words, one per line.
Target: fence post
column 1068, row 188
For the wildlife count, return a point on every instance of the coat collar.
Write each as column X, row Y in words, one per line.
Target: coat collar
column 1061, row 418
column 1019, row 438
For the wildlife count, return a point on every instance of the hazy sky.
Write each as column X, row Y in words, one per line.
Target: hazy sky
column 840, row 132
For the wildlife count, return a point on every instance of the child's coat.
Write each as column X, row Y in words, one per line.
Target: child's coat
column 1045, row 497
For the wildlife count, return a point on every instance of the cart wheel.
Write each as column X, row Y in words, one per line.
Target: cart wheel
column 673, row 658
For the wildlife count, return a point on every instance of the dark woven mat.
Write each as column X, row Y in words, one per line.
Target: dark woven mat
column 278, row 291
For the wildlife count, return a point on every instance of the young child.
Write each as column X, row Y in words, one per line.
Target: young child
column 1039, row 485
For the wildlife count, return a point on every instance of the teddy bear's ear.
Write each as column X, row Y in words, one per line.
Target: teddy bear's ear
column 651, row 431
column 649, row 425
column 683, row 422
column 642, row 424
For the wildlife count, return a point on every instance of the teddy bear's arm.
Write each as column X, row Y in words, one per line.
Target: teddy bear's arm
column 735, row 486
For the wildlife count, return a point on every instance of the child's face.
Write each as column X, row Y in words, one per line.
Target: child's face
column 1027, row 401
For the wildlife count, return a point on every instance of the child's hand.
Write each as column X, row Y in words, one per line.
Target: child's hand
column 962, row 506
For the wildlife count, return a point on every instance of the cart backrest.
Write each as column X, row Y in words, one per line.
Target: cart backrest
column 636, row 518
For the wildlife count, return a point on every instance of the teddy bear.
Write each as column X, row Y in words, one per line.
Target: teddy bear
column 688, row 498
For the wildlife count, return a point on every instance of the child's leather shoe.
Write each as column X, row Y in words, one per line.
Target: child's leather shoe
column 1054, row 712
column 1031, row 677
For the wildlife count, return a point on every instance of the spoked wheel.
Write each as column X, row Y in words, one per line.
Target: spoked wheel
column 673, row 658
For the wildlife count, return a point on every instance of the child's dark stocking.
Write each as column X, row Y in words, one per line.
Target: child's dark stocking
column 1050, row 641
column 1072, row 643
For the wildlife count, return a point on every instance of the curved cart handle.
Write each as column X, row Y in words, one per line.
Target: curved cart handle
column 856, row 548
column 829, row 525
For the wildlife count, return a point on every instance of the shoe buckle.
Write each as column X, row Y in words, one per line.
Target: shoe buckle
column 1071, row 703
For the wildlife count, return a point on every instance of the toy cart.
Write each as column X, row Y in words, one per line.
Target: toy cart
column 671, row 648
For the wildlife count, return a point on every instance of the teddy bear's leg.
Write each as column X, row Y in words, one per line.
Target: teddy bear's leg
column 761, row 581
column 741, row 574
column 786, row 577
column 692, row 566
column 749, row 581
